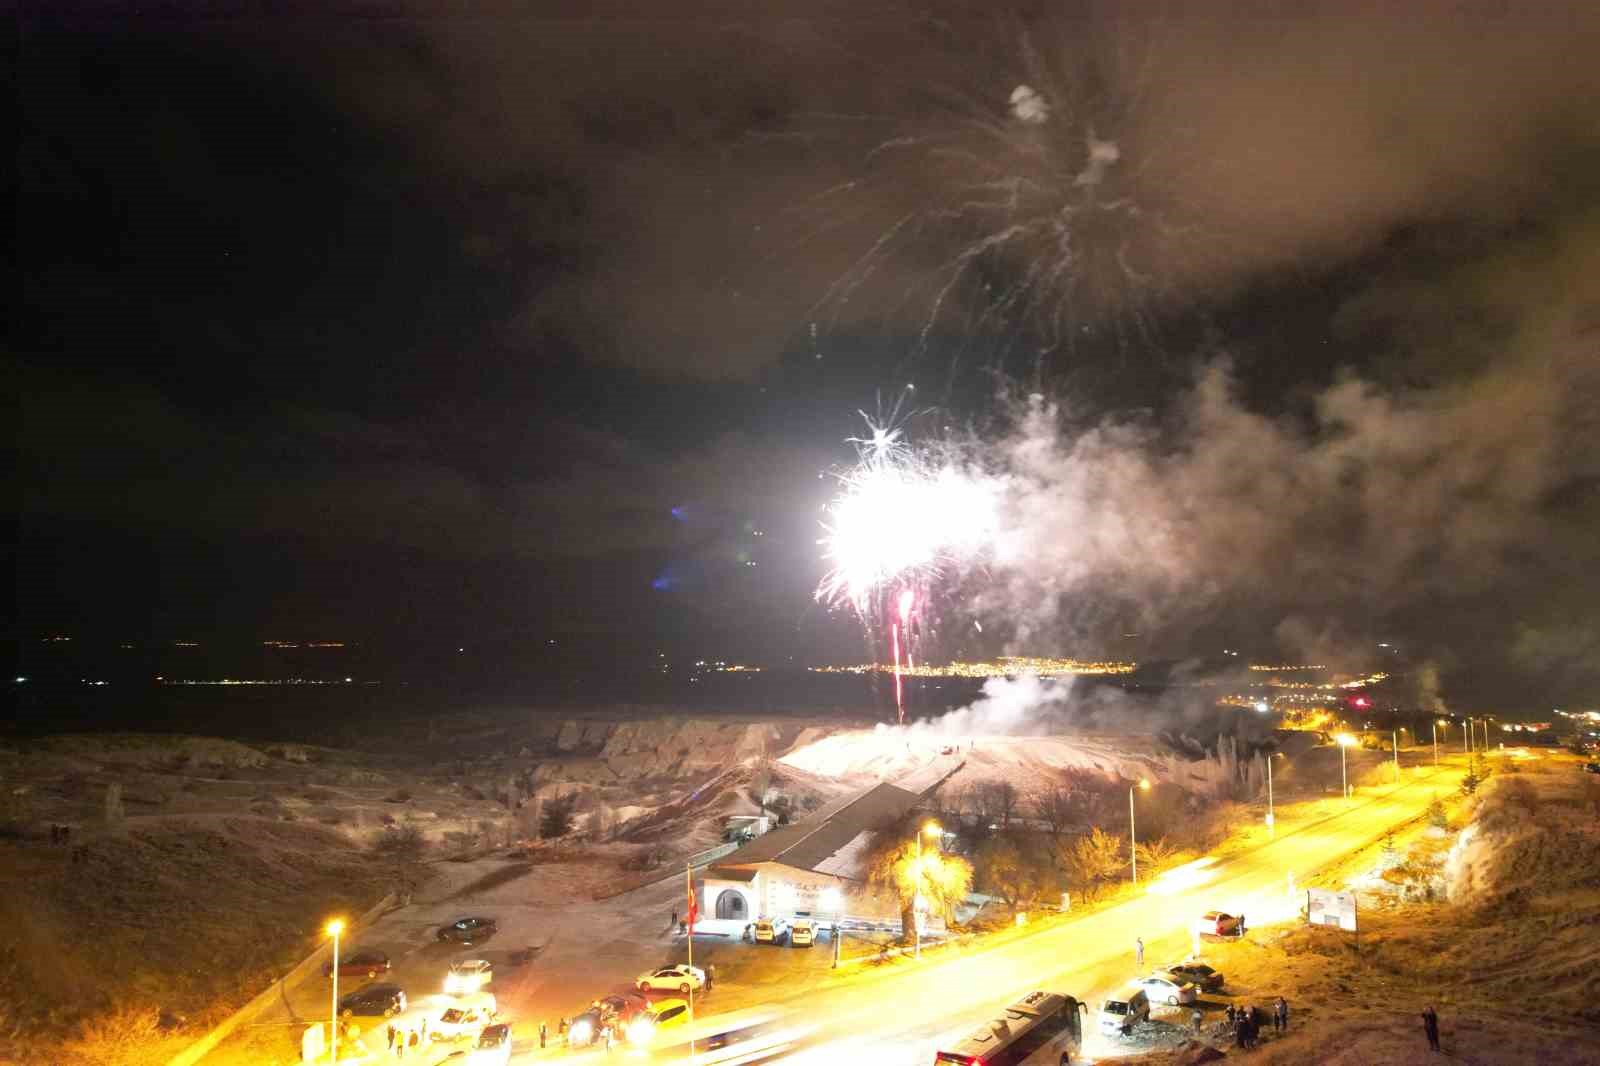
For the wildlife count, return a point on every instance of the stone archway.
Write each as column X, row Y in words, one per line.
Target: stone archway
column 731, row 905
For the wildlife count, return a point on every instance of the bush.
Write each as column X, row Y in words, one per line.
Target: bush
column 555, row 820
column 1438, row 817
column 399, row 795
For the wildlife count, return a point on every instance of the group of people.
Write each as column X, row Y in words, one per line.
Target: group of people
column 402, row 1040
column 1246, row 1023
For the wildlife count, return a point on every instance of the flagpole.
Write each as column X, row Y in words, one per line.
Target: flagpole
column 688, row 884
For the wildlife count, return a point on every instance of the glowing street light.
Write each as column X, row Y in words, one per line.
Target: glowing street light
column 1270, row 828
column 334, row 928
column 1345, row 740
column 1437, row 722
column 1133, row 844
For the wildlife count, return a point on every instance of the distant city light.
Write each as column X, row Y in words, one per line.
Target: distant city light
column 1005, row 666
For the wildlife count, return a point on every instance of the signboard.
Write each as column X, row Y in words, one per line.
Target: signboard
column 1327, row 907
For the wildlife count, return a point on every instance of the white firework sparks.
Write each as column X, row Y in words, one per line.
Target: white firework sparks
column 901, row 518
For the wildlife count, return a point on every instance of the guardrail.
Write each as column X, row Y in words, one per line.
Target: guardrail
column 208, row 1043
column 710, row 855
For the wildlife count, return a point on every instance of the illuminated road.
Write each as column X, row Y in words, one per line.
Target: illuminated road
column 897, row 1017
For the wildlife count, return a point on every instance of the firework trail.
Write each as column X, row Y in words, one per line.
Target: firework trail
column 1027, row 192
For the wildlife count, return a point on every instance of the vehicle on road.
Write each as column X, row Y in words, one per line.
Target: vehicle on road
column 494, row 1046
column 383, row 1000
column 361, row 963
column 466, row 1016
column 1198, row 974
column 802, row 934
column 1036, row 1021
column 1120, row 1015
column 1218, row 923
column 1591, row 767
column 753, row 1035
column 1162, row 988
column 468, row 931
column 585, row 1028
column 681, row 979
column 469, row 975
column 665, row 1015
column 772, row 931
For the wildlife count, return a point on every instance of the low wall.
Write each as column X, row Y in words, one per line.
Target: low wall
column 250, row 1011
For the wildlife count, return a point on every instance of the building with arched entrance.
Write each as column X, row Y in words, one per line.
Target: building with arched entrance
column 815, row 868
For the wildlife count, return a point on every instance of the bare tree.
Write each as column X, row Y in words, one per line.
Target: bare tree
column 401, row 848
column 1055, row 807
column 997, row 803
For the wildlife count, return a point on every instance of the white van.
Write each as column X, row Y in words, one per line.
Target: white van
column 802, row 934
column 1119, row 1016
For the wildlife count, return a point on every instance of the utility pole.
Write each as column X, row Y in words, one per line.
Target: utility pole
column 1133, row 844
column 1396, row 737
column 1270, row 829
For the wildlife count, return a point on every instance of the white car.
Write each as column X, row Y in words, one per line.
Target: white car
column 463, row 1018
column 772, row 931
column 467, row 977
column 802, row 934
column 1162, row 989
column 680, row 979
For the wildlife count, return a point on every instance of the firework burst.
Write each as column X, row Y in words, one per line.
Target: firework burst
column 901, row 518
column 1031, row 196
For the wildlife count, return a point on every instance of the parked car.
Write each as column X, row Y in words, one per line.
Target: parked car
column 385, row 1000
column 621, row 1008
column 464, row 1017
column 585, row 1028
column 1171, row 991
column 772, row 931
column 666, row 1014
column 802, row 934
column 672, row 979
column 468, row 931
column 1198, row 973
column 494, row 1046
column 367, row 964
column 1121, row 1015
column 470, row 975
column 1219, row 923
column 1591, row 767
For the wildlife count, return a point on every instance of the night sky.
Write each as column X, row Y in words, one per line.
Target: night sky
column 391, row 323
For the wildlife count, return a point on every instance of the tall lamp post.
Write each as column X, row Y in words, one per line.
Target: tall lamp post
column 933, row 829
column 1466, row 738
column 335, row 927
column 1485, row 722
column 1436, row 724
column 1345, row 740
column 1133, row 843
column 1270, row 828
column 1396, row 741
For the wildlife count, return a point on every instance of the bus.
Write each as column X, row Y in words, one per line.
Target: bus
column 1035, row 1021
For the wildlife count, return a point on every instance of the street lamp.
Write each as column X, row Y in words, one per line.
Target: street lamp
column 1274, row 755
column 1395, row 735
column 1437, row 722
column 1345, row 740
column 1133, row 844
column 335, row 927
column 932, row 829
column 1466, row 738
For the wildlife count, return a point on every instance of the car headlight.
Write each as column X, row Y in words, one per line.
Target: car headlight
column 641, row 1030
column 581, row 1031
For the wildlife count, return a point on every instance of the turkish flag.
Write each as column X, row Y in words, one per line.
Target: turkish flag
column 694, row 909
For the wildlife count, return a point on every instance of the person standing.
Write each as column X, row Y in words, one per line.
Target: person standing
column 1430, row 1025
column 1198, row 1019
column 543, row 1033
column 674, row 918
column 390, row 1045
column 1281, row 1015
column 1138, row 953
column 711, row 976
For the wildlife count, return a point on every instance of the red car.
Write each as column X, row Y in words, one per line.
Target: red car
column 358, row 964
column 1219, row 923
